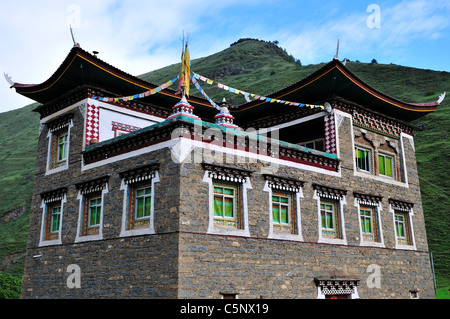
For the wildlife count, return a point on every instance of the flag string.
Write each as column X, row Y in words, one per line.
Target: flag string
column 137, row 96
column 202, row 91
column 248, row 95
column 194, row 77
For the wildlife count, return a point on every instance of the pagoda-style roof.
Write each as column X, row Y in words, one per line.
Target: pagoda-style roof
column 331, row 82
column 83, row 69
column 335, row 82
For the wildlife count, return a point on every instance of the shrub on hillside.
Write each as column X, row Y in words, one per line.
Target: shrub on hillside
column 10, row 286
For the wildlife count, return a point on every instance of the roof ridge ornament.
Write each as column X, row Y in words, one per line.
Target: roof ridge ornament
column 75, row 44
column 439, row 101
column 336, row 57
column 441, row 98
column 8, row 79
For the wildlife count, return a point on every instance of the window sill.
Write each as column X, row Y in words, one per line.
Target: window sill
column 385, row 179
column 334, row 241
column 137, row 232
column 371, row 244
column 285, row 236
column 51, row 242
column 230, row 232
column 405, row 247
column 80, row 239
column 57, row 169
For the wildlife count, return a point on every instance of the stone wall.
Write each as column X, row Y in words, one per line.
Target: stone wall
column 115, row 267
column 258, row 266
column 181, row 260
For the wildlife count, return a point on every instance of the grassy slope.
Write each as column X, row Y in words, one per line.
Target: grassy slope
column 19, row 131
column 258, row 67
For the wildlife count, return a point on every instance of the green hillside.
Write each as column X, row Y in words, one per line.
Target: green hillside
column 259, row 67
column 19, row 130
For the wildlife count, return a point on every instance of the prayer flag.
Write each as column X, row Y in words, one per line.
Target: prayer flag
column 187, row 70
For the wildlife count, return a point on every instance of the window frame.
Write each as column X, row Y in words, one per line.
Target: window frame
column 334, row 213
column 133, row 221
column 279, row 186
column 51, row 222
column 315, row 144
column 289, row 206
column 373, row 203
column 375, row 237
column 129, row 189
column 235, row 219
column 324, row 194
column 85, row 231
column 404, row 239
column 47, row 236
column 369, row 159
column 90, row 228
column 64, row 146
column 406, row 210
column 145, row 197
column 384, row 156
column 54, row 163
column 244, row 184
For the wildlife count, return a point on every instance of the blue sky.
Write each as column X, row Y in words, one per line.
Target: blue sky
column 141, row 36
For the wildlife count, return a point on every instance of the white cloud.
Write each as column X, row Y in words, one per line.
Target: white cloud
column 401, row 25
column 140, row 36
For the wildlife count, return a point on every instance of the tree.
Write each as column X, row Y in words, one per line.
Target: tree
column 10, row 286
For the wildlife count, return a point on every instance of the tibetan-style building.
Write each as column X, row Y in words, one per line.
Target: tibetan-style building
column 140, row 193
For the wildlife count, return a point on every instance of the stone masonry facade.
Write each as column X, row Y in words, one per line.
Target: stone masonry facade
column 182, row 258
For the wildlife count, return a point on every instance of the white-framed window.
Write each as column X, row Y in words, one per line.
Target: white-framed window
column 330, row 214
column 369, row 208
column 363, row 159
column 282, row 212
column 58, row 146
column 329, row 217
column 52, row 217
column 91, row 197
column 227, row 204
column 284, row 207
column 142, row 202
column 93, row 214
column 138, row 186
column 402, row 214
column 385, row 165
column 228, row 211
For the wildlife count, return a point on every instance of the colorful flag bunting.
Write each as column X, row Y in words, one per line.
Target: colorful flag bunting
column 137, row 96
column 254, row 96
